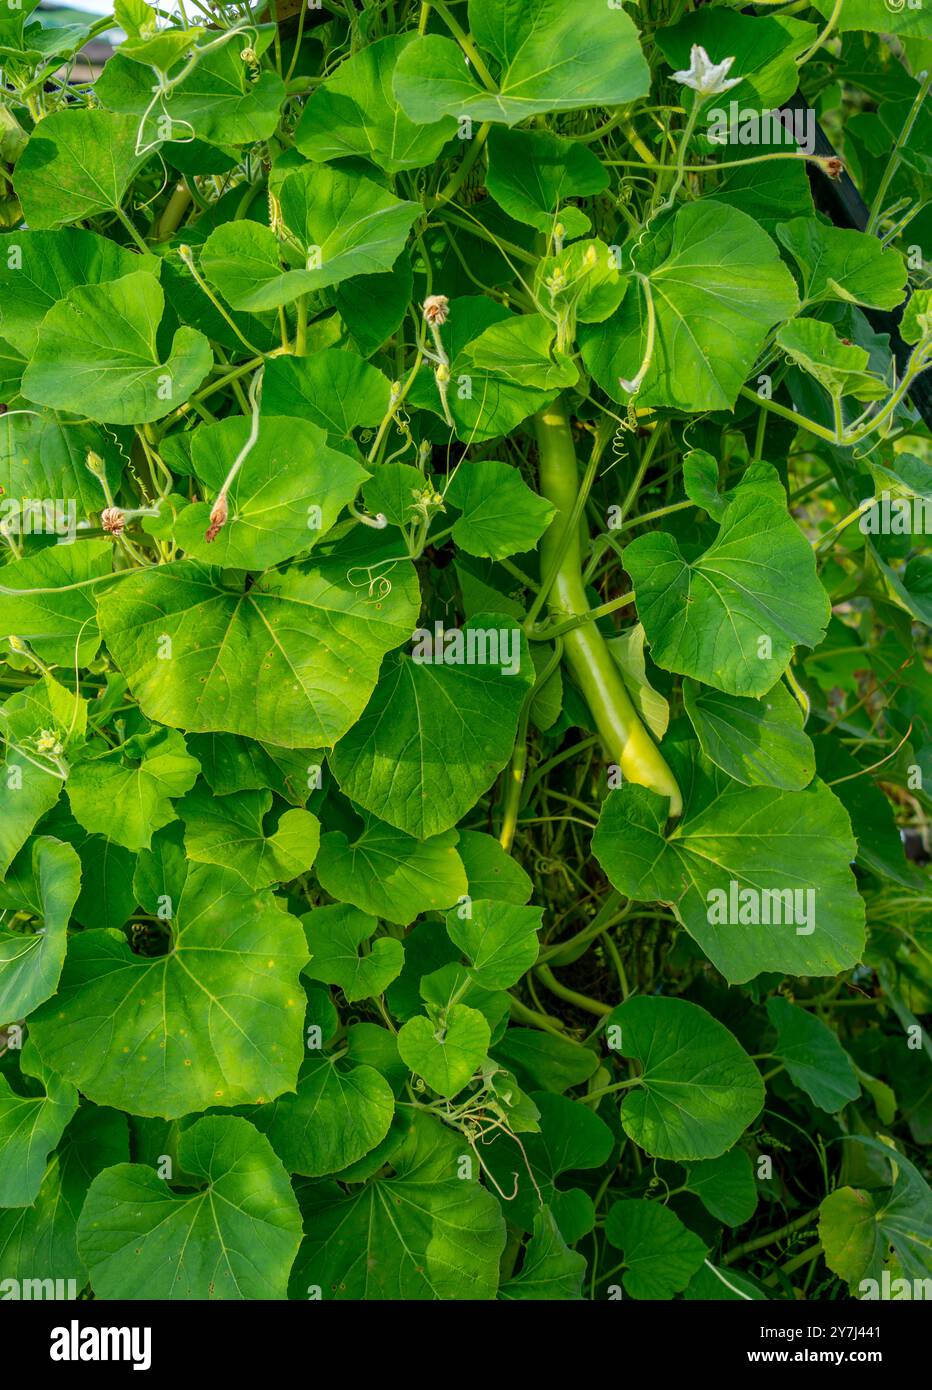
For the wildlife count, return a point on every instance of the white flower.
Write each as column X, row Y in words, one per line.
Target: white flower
column 704, row 76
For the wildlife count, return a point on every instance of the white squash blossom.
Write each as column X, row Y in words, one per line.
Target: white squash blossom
column 704, row 76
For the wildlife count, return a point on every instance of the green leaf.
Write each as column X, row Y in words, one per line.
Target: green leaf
column 44, row 457
column 489, row 401
column 725, row 1186
column 760, row 878
column 532, row 174
column 521, row 350
column 235, row 1236
column 30, row 1127
column 40, row 1241
column 571, row 1138
column 390, row 874
column 290, row 660
column 858, row 1228
column 698, row 1089
column 530, row 41
column 836, row 263
column 334, row 389
column 490, row 870
column 764, row 49
column 433, row 737
column 355, row 112
column 139, row 777
column 61, row 628
column 43, row 881
column 287, row 495
column 501, row 515
column 339, row 1114
column 418, row 1233
column 230, row 831
column 758, row 742
column 768, row 192
column 334, row 935
column 341, row 226
column 550, row 1270
column 661, row 1254
column 215, row 1021
column 733, row 616
column 79, row 163
column 841, row 368
column 542, row 1061
column 716, row 278
column 37, row 269
column 97, row 354
column 445, row 1048
column 217, row 102
column 499, row 939
column 813, row 1056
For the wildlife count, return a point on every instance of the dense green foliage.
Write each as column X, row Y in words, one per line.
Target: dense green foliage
column 465, row 693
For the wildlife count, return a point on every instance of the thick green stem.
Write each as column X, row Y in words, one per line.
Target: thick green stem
column 624, row 737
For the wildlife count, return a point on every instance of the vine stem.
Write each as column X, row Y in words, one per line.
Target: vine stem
column 624, row 737
column 771, row 1238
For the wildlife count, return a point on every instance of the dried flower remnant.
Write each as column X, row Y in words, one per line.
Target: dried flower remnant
column 218, row 518
column 436, row 309
column 113, row 521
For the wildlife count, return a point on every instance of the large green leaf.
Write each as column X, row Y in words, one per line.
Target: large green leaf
column 231, row 831
column 433, row 737
column 97, row 354
column 290, row 660
column 355, row 112
column 79, row 162
column 788, row 853
column 661, row 1254
column 286, row 496
column 139, row 778
column 30, row 1127
column 43, row 456
column 215, row 1021
column 858, row 1227
column 340, row 226
column 61, row 628
column 698, row 1090
column 334, row 389
column 390, row 874
column 419, row 1233
column 39, row 1242
column 43, row 882
column 732, row 616
column 37, row 269
column 551, row 57
column 813, row 1056
column 758, row 742
column 716, row 278
column 216, row 102
column 836, row 263
column 339, row 1113
column 235, row 1235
